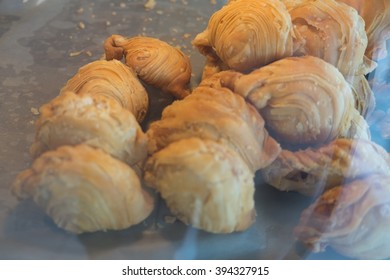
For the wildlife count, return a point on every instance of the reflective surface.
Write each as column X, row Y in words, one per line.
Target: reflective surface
column 42, row 44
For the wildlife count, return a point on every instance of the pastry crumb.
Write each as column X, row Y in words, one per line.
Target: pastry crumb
column 81, row 25
column 72, row 54
column 169, row 219
column 77, row 53
column 150, row 4
column 34, row 111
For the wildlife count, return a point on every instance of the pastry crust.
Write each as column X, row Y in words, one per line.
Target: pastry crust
column 353, row 219
column 376, row 14
column 111, row 79
column 364, row 96
column 205, row 184
column 156, row 62
column 311, row 171
column 85, row 190
column 94, row 119
column 247, row 34
column 334, row 32
column 211, row 68
column 304, row 101
column 219, row 115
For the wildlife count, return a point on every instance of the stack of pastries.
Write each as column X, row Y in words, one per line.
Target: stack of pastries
column 315, row 100
column 89, row 146
column 283, row 93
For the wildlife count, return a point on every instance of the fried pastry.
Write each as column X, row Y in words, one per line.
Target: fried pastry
column 204, row 184
column 304, row 101
column 112, row 79
column 376, row 14
column 334, row 32
column 219, row 115
column 156, row 62
column 96, row 120
column 247, row 34
column 85, row 190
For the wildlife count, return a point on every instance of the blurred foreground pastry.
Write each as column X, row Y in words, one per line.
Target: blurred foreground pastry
column 85, row 190
column 156, row 62
column 353, row 219
column 312, row 171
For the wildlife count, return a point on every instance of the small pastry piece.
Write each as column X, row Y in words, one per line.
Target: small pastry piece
column 84, row 190
column 376, row 14
column 334, row 32
column 112, row 79
column 353, row 219
column 247, row 34
column 205, row 184
column 219, row 115
column 311, row 171
column 156, row 62
column 304, row 101
column 96, row 120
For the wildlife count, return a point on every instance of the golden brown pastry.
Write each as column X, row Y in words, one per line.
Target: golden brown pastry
column 85, row 190
column 376, row 14
column 112, row 79
column 156, row 62
column 334, row 32
column 204, row 152
column 205, row 184
column 247, row 34
column 304, row 101
column 93, row 119
column 353, row 219
column 219, row 115
column 311, row 171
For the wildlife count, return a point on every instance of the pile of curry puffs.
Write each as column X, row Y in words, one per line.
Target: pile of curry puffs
column 284, row 93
